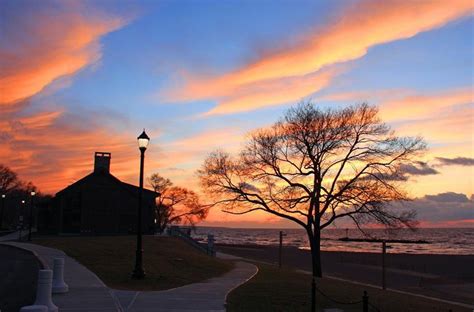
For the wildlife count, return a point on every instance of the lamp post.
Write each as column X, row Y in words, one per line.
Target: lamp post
column 20, row 221
column 1, row 212
column 32, row 202
column 138, row 272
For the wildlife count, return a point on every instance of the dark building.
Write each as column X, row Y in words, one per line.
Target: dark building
column 100, row 203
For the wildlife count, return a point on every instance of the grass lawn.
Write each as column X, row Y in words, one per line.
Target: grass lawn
column 274, row 289
column 168, row 262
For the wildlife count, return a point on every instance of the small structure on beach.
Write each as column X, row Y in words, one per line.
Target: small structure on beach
column 100, row 203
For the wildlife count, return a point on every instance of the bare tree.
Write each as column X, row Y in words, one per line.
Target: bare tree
column 8, row 180
column 175, row 204
column 314, row 167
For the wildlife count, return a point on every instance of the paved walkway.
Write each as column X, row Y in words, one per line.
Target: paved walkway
column 209, row 295
column 88, row 293
column 13, row 236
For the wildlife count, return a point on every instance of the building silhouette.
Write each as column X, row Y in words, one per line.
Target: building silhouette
column 100, row 203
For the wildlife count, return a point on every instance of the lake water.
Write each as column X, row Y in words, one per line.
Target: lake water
column 459, row 241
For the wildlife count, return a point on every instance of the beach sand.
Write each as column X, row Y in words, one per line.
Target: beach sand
column 448, row 277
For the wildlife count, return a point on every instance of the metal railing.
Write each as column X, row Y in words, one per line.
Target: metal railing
column 176, row 231
column 365, row 301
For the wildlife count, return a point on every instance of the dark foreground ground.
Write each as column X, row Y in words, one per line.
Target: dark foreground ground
column 449, row 277
column 18, row 277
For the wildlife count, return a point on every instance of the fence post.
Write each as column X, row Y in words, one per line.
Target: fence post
column 365, row 302
column 384, row 251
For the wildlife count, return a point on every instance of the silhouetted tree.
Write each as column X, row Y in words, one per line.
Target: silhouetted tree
column 8, row 180
column 175, row 204
column 16, row 190
column 314, row 167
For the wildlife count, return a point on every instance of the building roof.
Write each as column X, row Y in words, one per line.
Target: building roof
column 132, row 189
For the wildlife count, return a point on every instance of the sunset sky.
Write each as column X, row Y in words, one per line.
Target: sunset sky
column 83, row 76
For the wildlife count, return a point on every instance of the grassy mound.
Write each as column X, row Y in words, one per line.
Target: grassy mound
column 168, row 262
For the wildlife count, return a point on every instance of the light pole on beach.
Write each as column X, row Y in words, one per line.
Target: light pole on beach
column 32, row 202
column 3, row 208
column 138, row 272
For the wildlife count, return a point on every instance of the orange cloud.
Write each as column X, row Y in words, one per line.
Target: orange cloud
column 53, row 149
column 47, row 45
column 420, row 106
column 272, row 92
column 360, row 27
column 446, row 127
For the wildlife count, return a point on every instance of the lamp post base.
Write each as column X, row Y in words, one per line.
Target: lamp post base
column 138, row 274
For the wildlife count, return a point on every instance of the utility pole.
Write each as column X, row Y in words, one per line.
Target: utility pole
column 280, row 248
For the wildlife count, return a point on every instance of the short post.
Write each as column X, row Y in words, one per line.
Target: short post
column 59, row 286
column 365, row 302
column 43, row 291
column 210, row 244
column 384, row 251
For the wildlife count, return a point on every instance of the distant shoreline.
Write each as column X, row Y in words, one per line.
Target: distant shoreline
column 331, row 229
column 403, row 241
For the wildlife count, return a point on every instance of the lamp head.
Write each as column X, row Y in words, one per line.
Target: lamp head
column 143, row 141
column 33, row 193
column 3, row 195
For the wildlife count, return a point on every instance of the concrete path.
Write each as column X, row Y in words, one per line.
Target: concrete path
column 209, row 295
column 13, row 236
column 88, row 293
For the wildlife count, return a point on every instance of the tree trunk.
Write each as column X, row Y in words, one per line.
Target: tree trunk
column 316, row 254
column 315, row 244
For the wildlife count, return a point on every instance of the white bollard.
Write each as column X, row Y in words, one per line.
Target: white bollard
column 34, row 308
column 59, row 286
column 43, row 292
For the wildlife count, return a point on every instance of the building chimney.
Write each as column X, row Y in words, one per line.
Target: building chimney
column 102, row 162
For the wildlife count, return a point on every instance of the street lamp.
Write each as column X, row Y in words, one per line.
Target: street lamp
column 33, row 193
column 138, row 272
column 20, row 222
column 1, row 212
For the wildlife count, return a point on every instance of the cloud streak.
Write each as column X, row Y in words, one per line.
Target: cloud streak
column 420, row 105
column 47, row 40
column 417, row 169
column 361, row 26
column 457, row 161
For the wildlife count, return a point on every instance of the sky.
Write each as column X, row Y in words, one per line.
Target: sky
column 83, row 76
